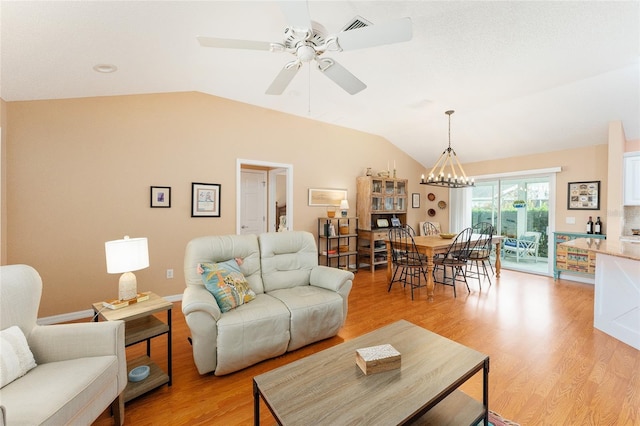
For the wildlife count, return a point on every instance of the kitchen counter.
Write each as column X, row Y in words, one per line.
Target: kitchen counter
column 617, row 287
column 628, row 250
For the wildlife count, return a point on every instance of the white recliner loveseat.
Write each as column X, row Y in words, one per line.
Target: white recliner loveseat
column 297, row 302
column 80, row 369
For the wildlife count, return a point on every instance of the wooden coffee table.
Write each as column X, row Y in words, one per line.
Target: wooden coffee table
column 328, row 387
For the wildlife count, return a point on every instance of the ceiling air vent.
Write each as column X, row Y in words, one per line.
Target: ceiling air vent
column 355, row 23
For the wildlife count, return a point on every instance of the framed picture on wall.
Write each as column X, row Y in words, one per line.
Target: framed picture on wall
column 161, row 196
column 415, row 200
column 584, row 195
column 326, row 197
column 205, row 199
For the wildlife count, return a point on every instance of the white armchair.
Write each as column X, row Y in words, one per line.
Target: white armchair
column 524, row 247
column 80, row 368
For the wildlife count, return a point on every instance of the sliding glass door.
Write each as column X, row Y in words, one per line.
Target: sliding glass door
column 518, row 208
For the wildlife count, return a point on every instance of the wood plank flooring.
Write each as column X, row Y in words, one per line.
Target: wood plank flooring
column 549, row 366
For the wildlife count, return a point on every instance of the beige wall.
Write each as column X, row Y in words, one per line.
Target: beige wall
column 79, row 172
column 580, row 164
column 3, row 183
column 632, row 146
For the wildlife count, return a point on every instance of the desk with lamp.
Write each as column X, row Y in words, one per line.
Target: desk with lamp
column 138, row 311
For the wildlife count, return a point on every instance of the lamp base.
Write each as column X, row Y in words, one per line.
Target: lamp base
column 127, row 286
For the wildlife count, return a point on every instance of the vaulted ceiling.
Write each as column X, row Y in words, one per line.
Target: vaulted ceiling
column 523, row 76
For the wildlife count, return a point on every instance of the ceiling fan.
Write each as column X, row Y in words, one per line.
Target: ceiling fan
column 307, row 40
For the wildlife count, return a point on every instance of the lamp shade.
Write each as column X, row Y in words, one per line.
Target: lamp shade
column 344, row 205
column 126, row 255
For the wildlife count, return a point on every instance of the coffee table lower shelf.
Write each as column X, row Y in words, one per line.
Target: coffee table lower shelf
column 157, row 377
column 456, row 409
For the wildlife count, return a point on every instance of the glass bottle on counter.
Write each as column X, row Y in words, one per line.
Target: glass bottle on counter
column 590, row 225
column 597, row 228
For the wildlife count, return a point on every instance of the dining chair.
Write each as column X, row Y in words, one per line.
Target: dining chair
column 482, row 228
column 485, row 228
column 429, row 228
column 406, row 259
column 409, row 229
column 413, row 233
column 436, row 224
column 480, row 250
column 455, row 259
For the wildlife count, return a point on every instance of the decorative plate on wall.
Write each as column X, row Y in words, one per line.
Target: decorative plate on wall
column 431, row 196
column 442, row 205
column 431, row 212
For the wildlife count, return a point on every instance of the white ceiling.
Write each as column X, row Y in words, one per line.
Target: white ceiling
column 524, row 77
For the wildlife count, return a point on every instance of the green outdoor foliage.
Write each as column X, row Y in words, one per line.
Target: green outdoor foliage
column 537, row 220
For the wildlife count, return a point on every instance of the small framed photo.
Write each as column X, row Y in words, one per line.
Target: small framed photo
column 161, row 196
column 584, row 195
column 205, row 199
column 415, row 200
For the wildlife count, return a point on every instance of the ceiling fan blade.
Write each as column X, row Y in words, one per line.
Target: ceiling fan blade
column 375, row 35
column 235, row 44
column 296, row 14
column 283, row 79
column 340, row 76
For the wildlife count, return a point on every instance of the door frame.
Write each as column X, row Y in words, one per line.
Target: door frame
column 551, row 173
column 288, row 168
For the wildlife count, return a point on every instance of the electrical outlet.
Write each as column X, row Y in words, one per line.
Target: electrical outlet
column 570, row 220
column 169, row 273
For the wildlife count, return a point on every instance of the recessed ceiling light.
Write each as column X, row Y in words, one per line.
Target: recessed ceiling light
column 105, row 68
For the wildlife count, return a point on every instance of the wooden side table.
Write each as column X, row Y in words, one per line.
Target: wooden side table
column 141, row 325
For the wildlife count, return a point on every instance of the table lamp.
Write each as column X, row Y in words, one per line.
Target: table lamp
column 123, row 257
column 344, row 206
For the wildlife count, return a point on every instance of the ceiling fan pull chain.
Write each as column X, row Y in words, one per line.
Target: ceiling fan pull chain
column 309, row 92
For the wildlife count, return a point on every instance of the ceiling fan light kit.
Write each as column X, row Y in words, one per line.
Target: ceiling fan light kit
column 105, row 68
column 307, row 40
column 449, row 164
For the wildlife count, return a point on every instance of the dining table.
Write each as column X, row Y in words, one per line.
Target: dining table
column 431, row 245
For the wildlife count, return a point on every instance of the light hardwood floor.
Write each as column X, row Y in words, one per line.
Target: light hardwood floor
column 549, row 366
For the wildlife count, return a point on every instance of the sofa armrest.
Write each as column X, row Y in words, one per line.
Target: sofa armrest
column 330, row 278
column 202, row 313
column 198, row 298
column 51, row 343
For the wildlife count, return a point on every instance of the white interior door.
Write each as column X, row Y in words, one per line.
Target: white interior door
column 254, row 202
column 245, row 165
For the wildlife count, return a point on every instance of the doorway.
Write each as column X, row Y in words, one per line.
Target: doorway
column 278, row 177
column 520, row 208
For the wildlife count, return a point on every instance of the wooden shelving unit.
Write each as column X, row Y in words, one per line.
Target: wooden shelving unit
column 378, row 200
column 337, row 242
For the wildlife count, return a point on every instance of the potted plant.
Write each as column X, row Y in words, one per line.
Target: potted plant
column 518, row 204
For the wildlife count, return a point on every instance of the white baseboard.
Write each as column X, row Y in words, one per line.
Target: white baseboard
column 577, row 278
column 88, row 313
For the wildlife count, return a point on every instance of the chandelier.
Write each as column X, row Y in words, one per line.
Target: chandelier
column 455, row 176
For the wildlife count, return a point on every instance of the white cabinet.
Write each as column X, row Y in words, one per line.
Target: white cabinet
column 632, row 179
